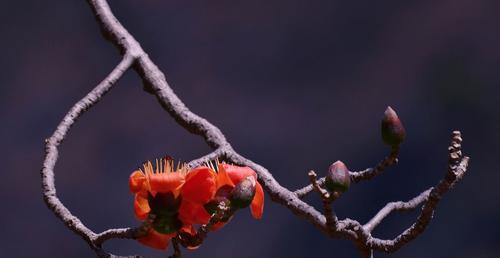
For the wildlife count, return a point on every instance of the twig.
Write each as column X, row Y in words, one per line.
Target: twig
column 189, row 241
column 327, row 198
column 302, row 192
column 366, row 174
column 457, row 168
column 370, row 173
column 177, row 250
column 396, row 206
column 124, row 232
column 155, row 83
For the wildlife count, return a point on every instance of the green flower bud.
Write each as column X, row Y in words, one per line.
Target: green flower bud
column 393, row 132
column 337, row 178
column 243, row 193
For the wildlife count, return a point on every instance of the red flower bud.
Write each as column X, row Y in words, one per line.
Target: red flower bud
column 338, row 178
column 393, row 132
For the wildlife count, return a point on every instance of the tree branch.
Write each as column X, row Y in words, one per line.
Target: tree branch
column 155, row 83
column 370, row 173
column 457, row 167
column 396, row 206
column 331, row 218
column 52, row 144
column 356, row 177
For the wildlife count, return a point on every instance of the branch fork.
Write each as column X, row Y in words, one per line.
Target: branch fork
column 154, row 81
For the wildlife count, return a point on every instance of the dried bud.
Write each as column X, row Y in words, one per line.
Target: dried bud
column 393, row 132
column 337, row 179
column 243, row 193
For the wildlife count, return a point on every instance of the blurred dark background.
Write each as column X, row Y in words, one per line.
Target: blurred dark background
column 294, row 85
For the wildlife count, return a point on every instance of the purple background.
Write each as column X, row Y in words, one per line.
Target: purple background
column 294, row 85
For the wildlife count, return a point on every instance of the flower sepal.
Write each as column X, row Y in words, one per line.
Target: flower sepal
column 166, row 224
column 164, row 204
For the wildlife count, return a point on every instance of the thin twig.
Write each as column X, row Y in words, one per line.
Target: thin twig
column 366, row 174
column 302, row 192
column 177, row 250
column 192, row 241
column 396, row 206
column 370, row 173
column 457, row 167
column 327, row 198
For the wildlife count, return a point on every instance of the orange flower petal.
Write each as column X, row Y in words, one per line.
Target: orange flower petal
column 156, row 240
column 222, row 177
column 166, row 182
column 237, row 173
column 141, row 205
column 136, row 181
column 257, row 205
column 199, row 186
column 193, row 213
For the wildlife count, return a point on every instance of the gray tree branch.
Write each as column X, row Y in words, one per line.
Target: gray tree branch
column 358, row 176
column 155, row 82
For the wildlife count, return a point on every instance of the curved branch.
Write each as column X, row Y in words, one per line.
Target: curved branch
column 396, row 206
column 456, row 170
column 52, row 144
column 154, row 82
column 153, row 78
column 126, row 233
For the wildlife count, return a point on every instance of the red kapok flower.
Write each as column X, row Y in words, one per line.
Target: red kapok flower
column 239, row 187
column 147, row 182
column 173, row 197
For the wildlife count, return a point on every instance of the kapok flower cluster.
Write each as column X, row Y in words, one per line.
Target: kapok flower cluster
column 176, row 198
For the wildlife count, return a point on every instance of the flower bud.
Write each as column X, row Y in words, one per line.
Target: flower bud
column 393, row 132
column 337, row 178
column 242, row 194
